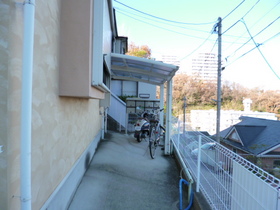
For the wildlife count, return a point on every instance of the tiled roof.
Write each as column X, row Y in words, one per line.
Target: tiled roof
column 257, row 135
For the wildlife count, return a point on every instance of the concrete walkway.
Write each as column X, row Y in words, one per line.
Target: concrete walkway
column 122, row 176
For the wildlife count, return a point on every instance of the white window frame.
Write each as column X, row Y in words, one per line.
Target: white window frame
column 97, row 46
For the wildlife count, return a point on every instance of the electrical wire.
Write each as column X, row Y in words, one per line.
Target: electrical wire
column 162, row 19
column 241, row 36
column 184, row 23
column 234, row 9
column 257, row 45
column 157, row 21
column 255, row 36
column 166, row 29
column 166, row 21
column 278, row 34
column 197, row 37
column 124, row 12
column 196, row 48
column 242, row 17
column 216, row 42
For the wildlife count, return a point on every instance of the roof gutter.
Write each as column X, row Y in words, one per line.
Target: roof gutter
column 26, row 104
column 263, row 154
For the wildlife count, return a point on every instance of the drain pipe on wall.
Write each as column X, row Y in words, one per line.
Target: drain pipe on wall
column 26, row 105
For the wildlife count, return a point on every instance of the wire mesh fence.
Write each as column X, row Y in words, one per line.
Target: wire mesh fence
column 226, row 180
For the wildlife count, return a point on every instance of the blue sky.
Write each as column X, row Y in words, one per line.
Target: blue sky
column 158, row 24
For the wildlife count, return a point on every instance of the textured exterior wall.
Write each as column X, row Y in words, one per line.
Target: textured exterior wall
column 4, row 23
column 62, row 128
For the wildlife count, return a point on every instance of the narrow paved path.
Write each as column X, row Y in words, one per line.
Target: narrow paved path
column 122, row 176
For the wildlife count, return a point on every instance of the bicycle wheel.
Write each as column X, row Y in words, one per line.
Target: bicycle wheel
column 153, row 143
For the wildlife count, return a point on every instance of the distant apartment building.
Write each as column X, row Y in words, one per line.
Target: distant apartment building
column 205, row 66
column 205, row 120
column 170, row 59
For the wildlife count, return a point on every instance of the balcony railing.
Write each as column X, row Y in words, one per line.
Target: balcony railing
column 226, row 180
column 117, row 110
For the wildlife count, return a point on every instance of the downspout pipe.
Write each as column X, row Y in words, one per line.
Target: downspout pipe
column 26, row 104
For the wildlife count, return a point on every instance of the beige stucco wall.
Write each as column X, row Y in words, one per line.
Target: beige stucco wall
column 62, row 128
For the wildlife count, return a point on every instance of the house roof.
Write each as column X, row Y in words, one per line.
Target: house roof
column 256, row 135
column 248, row 133
column 195, row 133
column 125, row 67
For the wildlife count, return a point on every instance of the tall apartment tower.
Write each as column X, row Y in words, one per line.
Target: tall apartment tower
column 205, row 67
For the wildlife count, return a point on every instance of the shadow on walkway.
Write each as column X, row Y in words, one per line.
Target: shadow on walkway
column 122, row 176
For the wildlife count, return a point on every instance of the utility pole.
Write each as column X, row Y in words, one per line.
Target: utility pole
column 219, row 91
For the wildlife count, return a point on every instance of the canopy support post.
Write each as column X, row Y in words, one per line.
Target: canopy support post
column 167, row 145
column 161, row 104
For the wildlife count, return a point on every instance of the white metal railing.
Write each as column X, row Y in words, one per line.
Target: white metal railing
column 117, row 110
column 226, row 180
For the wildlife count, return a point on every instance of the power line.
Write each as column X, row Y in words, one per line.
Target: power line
column 242, row 16
column 184, row 34
column 163, row 18
column 196, row 48
column 235, row 42
column 255, row 35
column 239, row 57
column 274, row 36
column 197, row 37
column 234, row 9
column 163, row 28
column 257, row 45
column 278, row 34
column 124, row 12
column 216, row 42
column 167, row 22
column 207, row 39
column 157, row 21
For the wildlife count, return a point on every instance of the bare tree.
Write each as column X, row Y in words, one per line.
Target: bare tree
column 200, row 93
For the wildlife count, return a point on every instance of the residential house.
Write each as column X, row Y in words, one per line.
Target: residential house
column 70, row 82
column 57, row 59
column 255, row 139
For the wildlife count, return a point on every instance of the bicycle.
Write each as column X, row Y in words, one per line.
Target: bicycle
column 156, row 131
